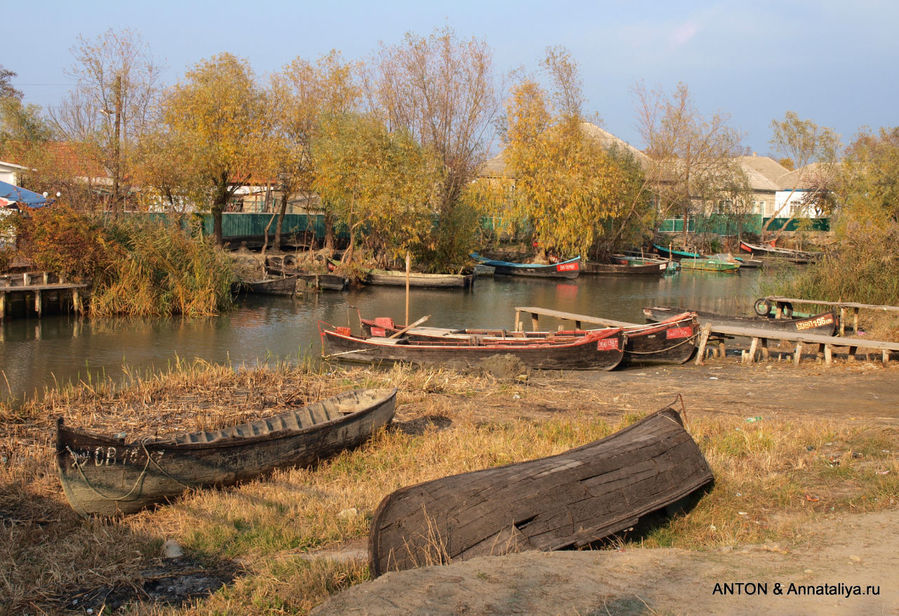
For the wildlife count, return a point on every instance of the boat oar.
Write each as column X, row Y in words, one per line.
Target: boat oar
column 408, row 327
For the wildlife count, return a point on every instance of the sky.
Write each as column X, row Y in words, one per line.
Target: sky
column 835, row 63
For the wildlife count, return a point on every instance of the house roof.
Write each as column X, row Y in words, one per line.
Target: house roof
column 813, row 175
column 763, row 165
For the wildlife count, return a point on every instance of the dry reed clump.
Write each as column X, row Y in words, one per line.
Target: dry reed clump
column 772, row 477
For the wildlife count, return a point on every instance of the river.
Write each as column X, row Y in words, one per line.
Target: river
column 41, row 353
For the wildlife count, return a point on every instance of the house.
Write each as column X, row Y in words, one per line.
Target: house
column 801, row 193
column 11, row 172
column 763, row 173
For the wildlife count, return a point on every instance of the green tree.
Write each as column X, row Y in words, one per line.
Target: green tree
column 219, row 116
column 691, row 155
column 440, row 89
column 581, row 197
column 378, row 181
column 110, row 107
column 301, row 94
column 804, row 142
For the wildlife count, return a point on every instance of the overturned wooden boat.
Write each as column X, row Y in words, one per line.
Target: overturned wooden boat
column 670, row 341
column 825, row 323
column 568, row 269
column 564, row 501
column 594, row 349
column 106, row 476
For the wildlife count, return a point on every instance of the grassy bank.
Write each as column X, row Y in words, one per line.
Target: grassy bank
column 773, row 478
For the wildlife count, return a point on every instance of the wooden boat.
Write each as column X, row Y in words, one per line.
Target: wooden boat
column 417, row 279
column 596, row 349
column 564, row 501
column 564, row 269
column 671, row 341
column 107, row 476
column 714, row 263
column 625, row 269
column 285, row 285
column 671, row 253
column 322, row 282
column 787, row 254
column 747, row 262
column 825, row 323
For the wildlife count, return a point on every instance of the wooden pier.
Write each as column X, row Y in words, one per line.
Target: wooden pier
column 784, row 307
column 759, row 337
column 37, row 287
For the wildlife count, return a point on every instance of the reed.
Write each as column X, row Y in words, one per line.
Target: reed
column 772, row 478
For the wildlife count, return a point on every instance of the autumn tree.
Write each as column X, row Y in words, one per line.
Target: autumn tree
column 302, row 93
column 109, row 108
column 22, row 126
column 218, row 115
column 580, row 196
column 440, row 89
column 691, row 155
column 378, row 180
column 805, row 143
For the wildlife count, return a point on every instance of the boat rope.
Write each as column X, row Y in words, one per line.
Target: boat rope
column 96, row 491
column 673, row 346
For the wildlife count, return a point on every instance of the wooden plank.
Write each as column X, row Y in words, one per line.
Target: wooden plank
column 837, row 341
column 570, row 316
column 798, row 354
column 818, row 302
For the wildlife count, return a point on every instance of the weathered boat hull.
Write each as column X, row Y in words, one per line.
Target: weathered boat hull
column 286, row 285
column 709, row 265
column 798, row 257
column 825, row 323
column 421, row 280
column 670, row 341
column 107, row 476
column 329, row 282
column 624, row 269
column 565, row 269
column 563, row 501
column 599, row 349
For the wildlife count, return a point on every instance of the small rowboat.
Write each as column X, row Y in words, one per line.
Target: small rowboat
column 286, row 285
column 395, row 278
column 106, row 476
column 714, row 263
column 786, row 254
column 671, row 341
column 625, row 269
column 595, row 349
column 564, row 501
column 564, row 269
column 825, row 323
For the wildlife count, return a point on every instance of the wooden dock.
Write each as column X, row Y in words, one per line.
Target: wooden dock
column 27, row 286
column 759, row 337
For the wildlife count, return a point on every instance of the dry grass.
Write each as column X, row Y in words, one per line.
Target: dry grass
column 772, row 478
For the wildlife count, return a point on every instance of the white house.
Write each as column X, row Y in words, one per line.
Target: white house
column 9, row 172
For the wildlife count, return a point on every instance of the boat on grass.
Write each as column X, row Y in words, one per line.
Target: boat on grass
column 596, row 349
column 564, row 269
column 787, row 254
column 825, row 324
column 671, row 341
column 569, row 500
column 103, row 475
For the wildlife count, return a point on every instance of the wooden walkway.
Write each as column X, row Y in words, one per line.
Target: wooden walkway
column 759, row 337
column 37, row 285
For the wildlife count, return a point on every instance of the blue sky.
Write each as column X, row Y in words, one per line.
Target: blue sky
column 833, row 62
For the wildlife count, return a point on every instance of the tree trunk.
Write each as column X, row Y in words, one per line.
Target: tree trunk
column 217, row 224
column 277, row 243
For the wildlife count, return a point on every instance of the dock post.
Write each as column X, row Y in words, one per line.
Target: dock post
column 842, row 320
column 798, row 354
column 753, row 349
column 828, row 355
column 2, row 305
column 703, row 341
column 534, row 319
column 518, row 327
column 37, row 301
column 765, row 353
column 886, row 356
column 855, row 321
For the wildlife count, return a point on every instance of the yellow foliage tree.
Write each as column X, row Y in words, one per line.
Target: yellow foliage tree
column 219, row 115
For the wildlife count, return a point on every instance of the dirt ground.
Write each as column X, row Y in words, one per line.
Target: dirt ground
column 842, row 551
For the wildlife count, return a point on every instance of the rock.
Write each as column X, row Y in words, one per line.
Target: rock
column 171, row 549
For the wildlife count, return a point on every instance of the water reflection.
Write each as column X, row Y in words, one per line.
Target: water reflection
column 58, row 349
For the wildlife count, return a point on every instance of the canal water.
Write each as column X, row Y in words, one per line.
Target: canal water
column 40, row 353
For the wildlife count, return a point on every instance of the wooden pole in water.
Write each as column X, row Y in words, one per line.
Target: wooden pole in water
column 408, row 266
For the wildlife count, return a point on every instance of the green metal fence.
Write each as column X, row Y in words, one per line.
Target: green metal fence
column 726, row 225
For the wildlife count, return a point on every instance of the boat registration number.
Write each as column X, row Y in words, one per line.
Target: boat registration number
column 567, row 267
column 607, row 344
column 678, row 332
column 819, row 322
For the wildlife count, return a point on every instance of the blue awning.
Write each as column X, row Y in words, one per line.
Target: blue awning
column 11, row 195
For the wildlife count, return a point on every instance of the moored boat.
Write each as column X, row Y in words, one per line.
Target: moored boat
column 671, row 341
column 397, row 278
column 284, row 285
column 714, row 263
column 595, row 349
column 626, row 268
column 107, row 476
column 565, row 501
column 563, row 269
column 671, row 253
column 825, row 323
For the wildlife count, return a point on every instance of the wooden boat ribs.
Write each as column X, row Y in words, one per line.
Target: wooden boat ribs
column 563, row 501
column 107, row 476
